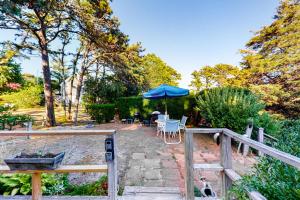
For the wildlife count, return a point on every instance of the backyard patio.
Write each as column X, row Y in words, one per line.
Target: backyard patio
column 143, row 157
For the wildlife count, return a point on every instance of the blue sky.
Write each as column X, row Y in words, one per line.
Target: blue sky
column 186, row 34
column 192, row 33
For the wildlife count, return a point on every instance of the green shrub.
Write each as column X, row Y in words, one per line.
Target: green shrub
column 128, row 106
column 228, row 107
column 10, row 120
column 13, row 184
column 98, row 188
column 271, row 126
column 20, row 184
column 271, row 177
column 101, row 112
column 26, row 98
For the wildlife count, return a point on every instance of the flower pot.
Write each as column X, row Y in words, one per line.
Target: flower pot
column 25, row 161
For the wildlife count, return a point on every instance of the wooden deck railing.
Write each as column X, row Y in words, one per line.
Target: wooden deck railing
column 225, row 167
column 111, row 167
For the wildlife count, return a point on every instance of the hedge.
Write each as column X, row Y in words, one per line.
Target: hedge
column 128, row 106
column 101, row 112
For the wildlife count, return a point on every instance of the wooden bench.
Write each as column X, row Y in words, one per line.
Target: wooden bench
column 36, row 174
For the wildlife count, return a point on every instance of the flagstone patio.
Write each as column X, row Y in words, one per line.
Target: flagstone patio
column 143, row 158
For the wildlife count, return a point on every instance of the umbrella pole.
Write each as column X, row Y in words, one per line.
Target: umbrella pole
column 166, row 107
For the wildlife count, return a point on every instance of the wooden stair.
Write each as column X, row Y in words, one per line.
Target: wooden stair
column 155, row 193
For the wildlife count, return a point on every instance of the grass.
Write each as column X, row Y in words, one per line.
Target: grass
column 38, row 114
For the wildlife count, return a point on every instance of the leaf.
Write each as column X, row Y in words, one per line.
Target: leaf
column 14, row 191
column 6, row 193
column 25, row 189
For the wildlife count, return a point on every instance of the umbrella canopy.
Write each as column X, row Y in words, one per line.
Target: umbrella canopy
column 165, row 91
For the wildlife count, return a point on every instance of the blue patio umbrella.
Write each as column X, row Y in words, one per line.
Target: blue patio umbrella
column 165, row 91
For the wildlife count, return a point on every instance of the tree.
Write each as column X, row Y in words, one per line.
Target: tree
column 130, row 72
column 157, row 72
column 74, row 64
column 100, row 38
column 272, row 58
column 60, row 68
column 220, row 75
column 38, row 23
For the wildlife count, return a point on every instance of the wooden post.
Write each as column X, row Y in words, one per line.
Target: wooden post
column 29, row 127
column 260, row 139
column 36, row 186
column 113, row 172
column 189, row 169
column 248, row 135
column 226, row 163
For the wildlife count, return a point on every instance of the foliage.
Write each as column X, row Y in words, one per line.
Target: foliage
column 101, row 112
column 28, row 97
column 221, row 75
column 130, row 72
column 20, row 184
column 197, row 192
column 228, row 107
column 271, row 125
column 40, row 23
column 272, row 60
column 157, row 72
column 8, row 119
column 128, row 106
column 98, row 188
column 13, row 184
column 10, row 72
column 103, row 90
column 271, row 177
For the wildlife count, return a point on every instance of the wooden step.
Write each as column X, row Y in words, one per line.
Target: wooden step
column 128, row 190
column 213, row 167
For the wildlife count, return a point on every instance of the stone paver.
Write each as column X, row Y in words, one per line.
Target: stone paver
column 138, row 156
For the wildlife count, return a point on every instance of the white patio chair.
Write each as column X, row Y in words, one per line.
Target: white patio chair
column 182, row 122
column 171, row 129
column 161, row 123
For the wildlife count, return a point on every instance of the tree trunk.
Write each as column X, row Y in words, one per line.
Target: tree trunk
column 64, row 79
column 71, row 97
column 78, row 93
column 72, row 83
column 50, row 116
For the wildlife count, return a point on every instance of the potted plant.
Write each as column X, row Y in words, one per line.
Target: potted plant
column 35, row 161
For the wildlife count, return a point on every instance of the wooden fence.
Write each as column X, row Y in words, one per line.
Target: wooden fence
column 225, row 166
column 110, row 168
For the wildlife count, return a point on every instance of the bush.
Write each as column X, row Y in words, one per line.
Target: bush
column 271, row 125
column 271, row 177
column 128, row 106
column 101, row 112
column 20, row 184
column 10, row 120
column 228, row 107
column 98, row 188
column 13, row 184
column 26, row 98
